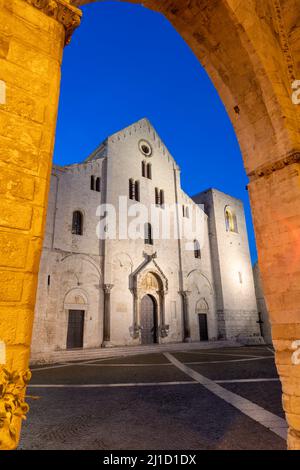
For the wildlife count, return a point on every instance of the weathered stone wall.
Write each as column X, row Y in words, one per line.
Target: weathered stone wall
column 31, row 45
column 233, row 277
column 69, row 262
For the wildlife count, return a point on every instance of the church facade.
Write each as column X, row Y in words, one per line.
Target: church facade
column 129, row 258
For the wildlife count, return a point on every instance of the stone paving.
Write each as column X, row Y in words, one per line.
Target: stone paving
column 146, row 402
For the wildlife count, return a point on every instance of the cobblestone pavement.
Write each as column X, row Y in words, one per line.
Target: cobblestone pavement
column 148, row 402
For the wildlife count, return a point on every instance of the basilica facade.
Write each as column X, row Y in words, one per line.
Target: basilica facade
column 129, row 258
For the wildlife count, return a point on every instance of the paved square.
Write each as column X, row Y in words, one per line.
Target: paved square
column 227, row 398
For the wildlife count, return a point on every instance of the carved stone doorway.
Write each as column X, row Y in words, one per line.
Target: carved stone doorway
column 149, row 323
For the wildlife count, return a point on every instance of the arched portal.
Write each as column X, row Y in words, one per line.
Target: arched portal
column 230, row 38
column 148, row 320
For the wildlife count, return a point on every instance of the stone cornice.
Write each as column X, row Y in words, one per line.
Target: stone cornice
column 60, row 10
column 266, row 170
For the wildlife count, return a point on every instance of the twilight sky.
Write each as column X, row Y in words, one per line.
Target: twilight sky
column 126, row 62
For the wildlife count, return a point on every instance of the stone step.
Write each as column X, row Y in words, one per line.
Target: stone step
column 99, row 353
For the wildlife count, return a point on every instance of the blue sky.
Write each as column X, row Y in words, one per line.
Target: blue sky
column 126, row 62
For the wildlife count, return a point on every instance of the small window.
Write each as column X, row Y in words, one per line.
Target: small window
column 98, row 184
column 157, row 197
column 134, row 190
column 240, row 277
column 185, row 211
column 144, row 168
column 197, row 251
column 148, row 234
column 92, row 182
column 137, row 190
column 149, row 171
column 48, row 280
column 162, row 197
column 230, row 220
column 131, row 189
column 77, row 223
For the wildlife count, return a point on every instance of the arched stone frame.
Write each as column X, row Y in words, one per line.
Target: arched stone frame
column 83, row 220
column 81, row 303
column 85, row 258
column 95, row 289
column 200, row 289
column 230, row 219
column 159, row 294
column 201, row 306
column 230, row 40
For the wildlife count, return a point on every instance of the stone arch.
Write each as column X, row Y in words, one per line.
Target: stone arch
column 197, row 275
column 201, row 306
column 75, row 298
column 121, row 265
column 84, row 258
column 234, row 58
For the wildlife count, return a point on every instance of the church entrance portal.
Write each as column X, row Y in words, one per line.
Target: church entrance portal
column 203, row 326
column 148, row 320
column 75, row 329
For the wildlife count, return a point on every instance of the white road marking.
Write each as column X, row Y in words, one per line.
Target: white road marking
column 215, row 354
column 255, row 412
column 235, row 381
column 127, row 365
column 169, row 363
column 57, row 366
column 100, row 363
column 231, row 360
column 271, row 350
column 136, row 384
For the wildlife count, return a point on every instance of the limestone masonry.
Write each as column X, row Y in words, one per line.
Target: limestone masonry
column 95, row 292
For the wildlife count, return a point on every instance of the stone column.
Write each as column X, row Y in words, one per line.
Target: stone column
column 33, row 34
column 135, row 330
column 106, row 315
column 275, row 201
column 185, row 316
column 163, row 329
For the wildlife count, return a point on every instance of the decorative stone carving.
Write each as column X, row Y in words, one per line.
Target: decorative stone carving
column 267, row 170
column 107, row 288
column 201, row 306
column 164, row 331
column 135, row 331
column 60, row 10
column 12, row 403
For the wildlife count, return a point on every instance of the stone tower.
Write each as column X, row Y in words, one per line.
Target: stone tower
column 232, row 270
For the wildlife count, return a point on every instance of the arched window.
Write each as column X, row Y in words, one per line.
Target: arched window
column 149, row 171
column 98, row 184
column 148, row 234
column 77, row 223
column 144, row 168
column 230, row 220
column 197, row 250
column 92, row 182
